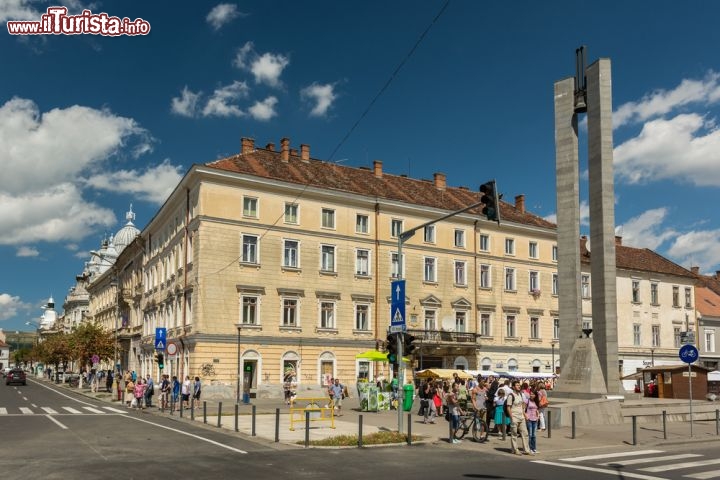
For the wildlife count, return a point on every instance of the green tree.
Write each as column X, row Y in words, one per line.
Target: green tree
column 89, row 339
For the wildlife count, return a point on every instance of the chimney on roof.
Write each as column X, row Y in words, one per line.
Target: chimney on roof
column 377, row 168
column 440, row 180
column 583, row 244
column 247, row 145
column 294, row 152
column 618, row 240
column 695, row 270
column 520, row 203
column 304, row 152
column 285, row 149
column 270, row 146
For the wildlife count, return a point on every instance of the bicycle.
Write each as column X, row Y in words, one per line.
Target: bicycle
column 475, row 422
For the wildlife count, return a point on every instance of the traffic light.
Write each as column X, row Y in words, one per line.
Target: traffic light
column 491, row 200
column 408, row 346
column 160, row 360
column 392, row 355
column 156, row 356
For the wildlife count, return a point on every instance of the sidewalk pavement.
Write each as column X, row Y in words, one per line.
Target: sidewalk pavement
column 558, row 441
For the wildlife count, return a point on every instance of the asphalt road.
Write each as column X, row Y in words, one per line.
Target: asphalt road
column 47, row 433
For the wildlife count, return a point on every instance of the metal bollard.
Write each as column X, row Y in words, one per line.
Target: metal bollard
column 307, row 428
column 548, row 423
column 204, row 411
column 277, row 425
column 182, row 405
column 219, row 414
column 253, row 421
column 237, row 407
column 664, row 425
column 573, row 426
column 717, row 422
column 360, row 420
column 192, row 410
column 634, row 431
column 409, row 424
column 503, row 427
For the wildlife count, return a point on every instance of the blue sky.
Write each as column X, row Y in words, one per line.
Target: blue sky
column 90, row 124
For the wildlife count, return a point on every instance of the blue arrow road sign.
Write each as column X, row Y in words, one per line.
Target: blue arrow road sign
column 160, row 338
column 688, row 353
column 397, row 306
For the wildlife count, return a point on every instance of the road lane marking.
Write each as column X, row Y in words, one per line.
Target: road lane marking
column 600, row 470
column 115, row 410
column 71, row 410
column 637, row 461
column 49, row 410
column 678, row 466
column 704, row 475
column 198, row 436
column 610, row 455
column 26, row 411
column 63, row 395
column 93, row 410
column 57, row 422
column 3, row 411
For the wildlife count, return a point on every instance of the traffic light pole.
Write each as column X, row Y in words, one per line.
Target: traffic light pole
column 402, row 237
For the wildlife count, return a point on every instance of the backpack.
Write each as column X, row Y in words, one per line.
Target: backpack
column 543, row 401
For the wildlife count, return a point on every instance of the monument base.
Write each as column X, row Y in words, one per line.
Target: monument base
column 582, row 375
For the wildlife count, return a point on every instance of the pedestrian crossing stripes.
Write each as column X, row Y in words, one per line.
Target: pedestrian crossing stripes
column 9, row 411
column 642, row 464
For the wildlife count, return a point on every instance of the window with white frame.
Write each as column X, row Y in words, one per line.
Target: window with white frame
column 250, row 207
column 361, row 223
column 430, row 320
column 512, row 365
column 291, row 253
column 587, row 323
column 556, row 328
column 636, row 291
column 460, row 272
column 394, row 265
column 327, row 314
column 554, row 253
column 396, row 227
column 362, row 317
column 460, row 321
column 485, row 325
column 510, row 330
column 249, row 310
column 654, row 294
column 534, row 282
column 636, row 334
column 249, row 249
column 676, row 296
column 677, row 337
column 510, row 279
column 509, row 246
column 535, row 327
column 533, row 250
column 430, row 269
column 327, row 258
column 709, row 341
column 655, row 335
column 555, row 283
column 485, row 278
column 484, row 243
column 429, row 234
column 291, row 213
column 290, row 312
column 328, row 218
column 688, row 297
column 459, row 238
column 362, row 262
column 585, row 285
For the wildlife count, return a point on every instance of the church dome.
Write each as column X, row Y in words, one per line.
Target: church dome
column 127, row 233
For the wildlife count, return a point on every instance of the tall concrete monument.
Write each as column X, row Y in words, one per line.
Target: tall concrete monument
column 589, row 362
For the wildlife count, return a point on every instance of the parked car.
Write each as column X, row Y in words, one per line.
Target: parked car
column 5, row 371
column 16, row 375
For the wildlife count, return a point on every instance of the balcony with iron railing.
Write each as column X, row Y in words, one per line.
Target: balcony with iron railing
column 444, row 337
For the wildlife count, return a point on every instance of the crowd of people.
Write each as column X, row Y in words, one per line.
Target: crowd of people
column 511, row 406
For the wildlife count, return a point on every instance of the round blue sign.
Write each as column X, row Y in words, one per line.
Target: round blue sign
column 688, row 353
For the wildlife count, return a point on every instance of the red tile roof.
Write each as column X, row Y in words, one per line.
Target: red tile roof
column 640, row 259
column 268, row 164
column 707, row 302
column 711, row 282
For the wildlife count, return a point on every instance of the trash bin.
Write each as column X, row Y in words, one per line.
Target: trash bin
column 409, row 392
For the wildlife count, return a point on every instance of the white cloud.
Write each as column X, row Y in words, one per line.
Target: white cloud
column 221, row 103
column 266, row 68
column 646, row 230
column 24, row 251
column 40, row 150
column 18, row 10
column 222, row 14
column 322, row 96
column 186, row 105
column 685, row 147
column 154, row 184
column 264, row 110
column 697, row 248
column 10, row 306
column 661, row 102
column 584, row 214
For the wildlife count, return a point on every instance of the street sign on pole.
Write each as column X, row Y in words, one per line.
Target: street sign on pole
column 160, row 338
column 397, row 306
column 689, row 353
